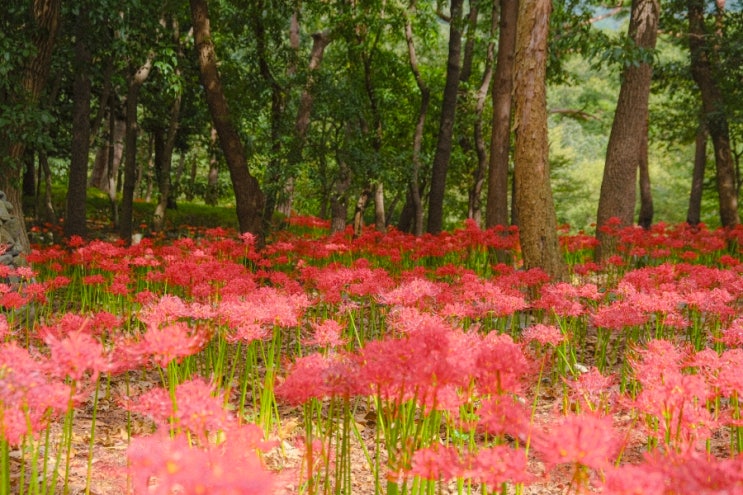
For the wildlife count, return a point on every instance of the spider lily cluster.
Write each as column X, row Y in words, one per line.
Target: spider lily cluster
column 420, row 361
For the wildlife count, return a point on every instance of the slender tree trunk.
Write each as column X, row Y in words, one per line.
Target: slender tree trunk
column 475, row 194
column 339, row 198
column 446, row 125
column 130, row 149
column 358, row 214
column 538, row 227
column 248, row 195
column 694, row 215
column 496, row 212
column 645, row 218
column 48, row 207
column 379, row 218
column 212, row 181
column 75, row 216
column 414, row 188
column 623, row 154
column 713, row 107
column 165, row 164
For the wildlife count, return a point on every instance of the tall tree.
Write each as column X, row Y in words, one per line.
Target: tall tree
column 44, row 25
column 694, row 213
column 75, row 219
column 248, row 195
column 446, row 125
column 624, row 151
column 713, row 108
column 496, row 209
column 538, row 221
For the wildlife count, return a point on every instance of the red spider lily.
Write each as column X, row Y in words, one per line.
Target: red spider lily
column 439, row 462
column 327, row 334
column 586, row 440
column 592, row 390
column 319, row 376
column 505, row 415
column 417, row 292
column 634, row 480
column 4, row 327
column 561, row 299
column 195, row 407
column 543, row 334
column 162, row 465
column 693, row 472
column 29, row 397
column 76, row 354
column 172, row 341
column 732, row 336
column 501, row 365
column 494, row 466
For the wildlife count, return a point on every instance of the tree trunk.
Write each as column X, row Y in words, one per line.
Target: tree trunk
column 694, row 215
column 45, row 14
column 339, row 198
column 414, row 196
column 164, row 165
column 446, row 125
column 358, row 214
column 713, row 108
column 645, row 218
column 212, row 181
column 130, row 149
column 475, row 193
column 538, row 227
column 496, row 210
column 75, row 216
column 379, row 218
column 623, row 155
column 248, row 195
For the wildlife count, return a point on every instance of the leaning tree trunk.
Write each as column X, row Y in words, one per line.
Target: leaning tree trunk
column 496, row 209
column 446, row 125
column 694, row 214
column 248, row 195
column 538, row 227
column 75, row 217
column 623, row 153
column 713, row 108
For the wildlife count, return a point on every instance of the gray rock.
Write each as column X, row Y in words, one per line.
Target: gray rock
column 4, row 213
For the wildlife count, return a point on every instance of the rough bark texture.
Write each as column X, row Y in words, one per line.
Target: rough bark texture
column 538, row 227
column 496, row 210
column 623, row 154
column 645, row 217
column 75, row 218
column 694, row 214
column 446, row 125
column 380, row 222
column 248, row 195
column 715, row 118
column 45, row 14
column 130, row 149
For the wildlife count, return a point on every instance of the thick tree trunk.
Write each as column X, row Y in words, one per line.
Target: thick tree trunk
column 414, row 196
column 694, row 214
column 45, row 14
column 130, row 149
column 645, row 217
column 538, row 227
column 715, row 117
column 248, row 195
column 446, row 125
column 358, row 214
column 75, row 216
column 623, row 154
column 496, row 210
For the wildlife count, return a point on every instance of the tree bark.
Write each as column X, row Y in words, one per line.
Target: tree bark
column 475, row 194
column 248, row 195
column 623, row 155
column 694, row 214
column 380, row 222
column 446, row 125
column 45, row 14
column 496, row 210
column 164, row 164
column 538, row 227
column 703, row 71
column 75, row 216
column 212, row 182
column 645, row 217
column 414, row 188
column 130, row 149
